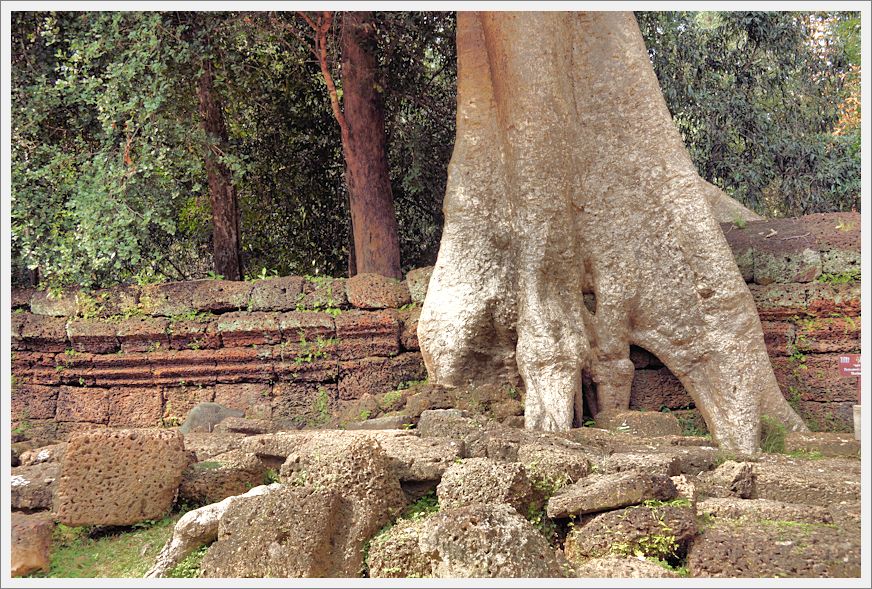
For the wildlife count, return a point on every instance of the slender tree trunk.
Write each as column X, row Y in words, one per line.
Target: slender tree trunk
column 568, row 176
column 225, row 208
column 376, row 245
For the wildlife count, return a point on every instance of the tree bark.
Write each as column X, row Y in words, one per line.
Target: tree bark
column 376, row 245
column 568, row 177
column 226, row 249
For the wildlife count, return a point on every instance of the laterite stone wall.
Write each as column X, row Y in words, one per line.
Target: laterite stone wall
column 295, row 348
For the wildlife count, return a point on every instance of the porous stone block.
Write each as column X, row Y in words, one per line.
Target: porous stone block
column 304, row 403
column 235, row 365
column 135, row 407
column 88, row 404
column 362, row 334
column 610, row 491
column 143, row 334
column 44, row 333
column 825, row 443
column 194, row 334
column 119, row 477
column 254, row 399
column 482, row 480
column 32, row 487
column 221, row 476
column 92, row 335
column 373, row 291
column 409, row 328
column 220, row 295
column 168, row 299
column 376, row 376
column 276, row 294
column 31, row 543
column 622, row 567
column 639, row 423
column 322, row 293
column 827, row 335
column 34, row 402
column 241, row 328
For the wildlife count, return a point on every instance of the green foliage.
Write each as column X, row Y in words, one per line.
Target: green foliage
column 208, row 465
column 536, row 515
column 772, row 434
column 852, row 275
column 81, row 552
column 759, row 98
column 271, row 476
column 311, row 351
column 425, row 506
column 189, row 568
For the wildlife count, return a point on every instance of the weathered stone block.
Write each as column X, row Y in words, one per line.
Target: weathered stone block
column 304, row 403
column 143, row 334
column 44, row 334
column 220, row 295
column 779, row 337
column 597, row 493
column 182, row 367
column 20, row 298
column 193, row 334
column 322, row 292
column 242, row 329
column 291, row 532
column 32, row 487
column 34, row 402
column 777, row 302
column 377, row 376
column 44, row 303
column 92, row 335
column 373, row 291
column 168, row 299
column 120, row 370
column 179, row 400
column 135, row 407
column 31, row 543
column 221, row 476
column 276, row 294
column 831, row 300
column 827, row 335
column 119, row 477
column 482, row 480
column 363, row 334
column 798, row 264
column 83, row 404
column 254, row 399
column 644, row 424
column 234, row 365
column 409, row 328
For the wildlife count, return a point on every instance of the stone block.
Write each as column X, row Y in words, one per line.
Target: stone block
column 135, row 407
column 607, row 492
column 322, row 292
column 825, row 443
column 240, row 329
column 34, row 402
column 92, row 335
column 44, row 303
column 482, row 480
column 409, row 328
column 168, row 299
column 646, row 424
column 234, row 365
column 373, row 291
column 193, row 334
column 828, row 335
column 33, row 487
column 143, row 334
column 779, row 337
column 276, row 294
column 376, row 376
column 221, row 476
column 218, row 296
column 417, row 281
column 361, row 334
column 44, row 333
column 179, row 400
column 86, row 404
column 31, row 543
column 183, row 367
column 254, row 399
column 119, row 477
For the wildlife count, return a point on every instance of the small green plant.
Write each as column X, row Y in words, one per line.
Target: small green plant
column 390, row 399
column 189, row 568
column 270, row 476
column 740, row 223
column 806, row 455
column 852, row 275
column 208, row 465
column 70, row 353
column 24, row 424
column 589, row 423
column 153, row 347
column 212, row 275
column 408, row 307
column 423, row 507
column 364, row 414
column 536, row 515
column 311, row 351
column 320, row 408
column 264, row 274
column 772, row 434
column 690, row 426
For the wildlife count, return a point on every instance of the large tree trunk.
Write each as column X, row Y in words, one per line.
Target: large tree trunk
column 222, row 194
column 568, row 176
column 374, row 222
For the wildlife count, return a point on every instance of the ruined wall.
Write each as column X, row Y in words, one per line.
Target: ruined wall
column 298, row 349
column 288, row 348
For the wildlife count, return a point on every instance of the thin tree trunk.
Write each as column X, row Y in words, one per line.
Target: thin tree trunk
column 225, row 208
column 376, row 245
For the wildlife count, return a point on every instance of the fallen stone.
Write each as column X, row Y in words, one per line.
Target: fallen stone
column 669, row 460
column 775, row 549
column 730, row 479
column 610, row 491
column 31, row 543
column 550, row 467
column 210, row 481
column 33, row 487
column 815, row 482
column 206, row 445
column 414, row 459
column 357, row 467
column 119, row 477
column 51, row 453
column 205, row 416
column 482, row 480
column 396, row 554
column 662, row 532
column 291, row 532
column 763, row 509
column 373, row 291
column 488, row 541
column 242, row 425
column 825, row 443
column 398, row 421
column 196, row 528
column 622, row 567
column 639, row 423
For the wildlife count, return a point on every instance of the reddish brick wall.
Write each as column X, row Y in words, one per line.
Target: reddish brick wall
column 133, row 356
